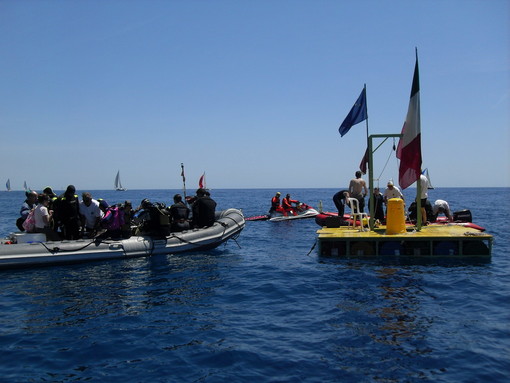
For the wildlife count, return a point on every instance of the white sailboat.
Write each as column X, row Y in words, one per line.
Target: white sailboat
column 118, row 184
column 25, row 186
column 8, row 184
column 426, row 174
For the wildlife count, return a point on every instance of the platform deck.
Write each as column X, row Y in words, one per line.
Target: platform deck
column 432, row 240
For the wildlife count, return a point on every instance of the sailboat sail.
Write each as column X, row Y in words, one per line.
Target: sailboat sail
column 25, row 185
column 8, row 185
column 118, row 183
column 426, row 174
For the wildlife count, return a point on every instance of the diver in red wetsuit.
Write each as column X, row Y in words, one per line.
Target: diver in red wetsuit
column 287, row 205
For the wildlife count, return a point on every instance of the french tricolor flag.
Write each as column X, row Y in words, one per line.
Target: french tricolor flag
column 409, row 145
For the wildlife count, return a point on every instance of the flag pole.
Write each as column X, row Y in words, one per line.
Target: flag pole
column 419, row 217
column 370, row 159
column 183, row 181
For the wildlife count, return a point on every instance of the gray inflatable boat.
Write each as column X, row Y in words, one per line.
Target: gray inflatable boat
column 31, row 250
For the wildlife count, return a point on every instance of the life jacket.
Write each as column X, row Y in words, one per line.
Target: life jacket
column 287, row 203
column 275, row 202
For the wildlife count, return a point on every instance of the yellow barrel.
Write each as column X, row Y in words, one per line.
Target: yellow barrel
column 395, row 217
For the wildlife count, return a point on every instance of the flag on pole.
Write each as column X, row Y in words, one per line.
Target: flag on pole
column 201, row 182
column 409, row 145
column 182, row 173
column 357, row 114
column 364, row 163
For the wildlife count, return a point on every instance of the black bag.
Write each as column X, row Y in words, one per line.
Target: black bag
column 463, row 216
column 19, row 223
column 335, row 221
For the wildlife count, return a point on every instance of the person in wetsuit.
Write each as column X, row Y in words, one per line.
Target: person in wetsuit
column 67, row 211
column 203, row 209
column 179, row 215
column 340, row 200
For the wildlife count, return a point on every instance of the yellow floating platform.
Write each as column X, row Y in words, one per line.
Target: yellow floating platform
column 432, row 240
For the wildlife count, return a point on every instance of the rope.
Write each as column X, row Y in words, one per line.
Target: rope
column 58, row 249
column 313, row 247
column 388, row 160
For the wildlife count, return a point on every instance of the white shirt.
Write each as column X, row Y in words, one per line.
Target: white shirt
column 91, row 213
column 441, row 204
column 392, row 193
column 424, row 183
column 39, row 213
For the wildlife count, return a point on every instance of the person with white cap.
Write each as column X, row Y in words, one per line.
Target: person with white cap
column 392, row 192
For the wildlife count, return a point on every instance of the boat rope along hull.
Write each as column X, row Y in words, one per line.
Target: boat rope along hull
column 229, row 223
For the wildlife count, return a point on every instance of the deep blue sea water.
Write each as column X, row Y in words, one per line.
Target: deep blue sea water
column 264, row 309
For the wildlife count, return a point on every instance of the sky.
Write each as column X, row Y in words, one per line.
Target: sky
column 250, row 92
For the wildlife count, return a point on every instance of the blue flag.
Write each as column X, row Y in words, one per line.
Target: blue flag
column 357, row 114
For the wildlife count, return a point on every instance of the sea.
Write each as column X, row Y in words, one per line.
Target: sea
column 263, row 308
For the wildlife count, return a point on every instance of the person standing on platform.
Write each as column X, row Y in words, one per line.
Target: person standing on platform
column 392, row 192
column 424, row 184
column 340, row 200
column 378, row 205
column 358, row 189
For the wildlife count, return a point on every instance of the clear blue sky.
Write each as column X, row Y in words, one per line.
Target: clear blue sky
column 250, row 92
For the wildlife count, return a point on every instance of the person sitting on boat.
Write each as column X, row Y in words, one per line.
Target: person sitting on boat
column 53, row 197
column 112, row 221
column 90, row 214
column 179, row 215
column 127, row 210
column 29, row 203
column 358, row 189
column 43, row 217
column 275, row 204
column 378, row 205
column 67, row 212
column 340, row 200
column 287, row 205
column 300, row 207
column 203, row 209
column 441, row 207
column 152, row 219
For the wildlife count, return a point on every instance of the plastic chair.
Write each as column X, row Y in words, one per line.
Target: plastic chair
column 356, row 214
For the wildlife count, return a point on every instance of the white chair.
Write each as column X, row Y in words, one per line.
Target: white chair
column 356, row 214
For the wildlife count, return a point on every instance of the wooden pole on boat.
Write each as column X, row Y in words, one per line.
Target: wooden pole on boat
column 183, row 181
